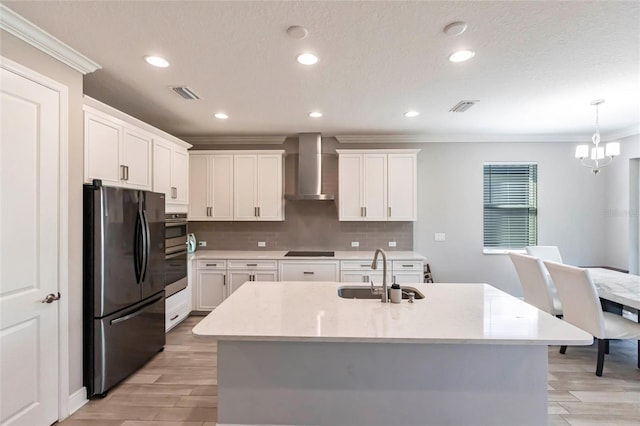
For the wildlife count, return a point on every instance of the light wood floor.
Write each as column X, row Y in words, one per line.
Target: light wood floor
column 178, row 387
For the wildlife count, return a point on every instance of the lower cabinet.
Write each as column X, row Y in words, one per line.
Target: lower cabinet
column 177, row 308
column 408, row 272
column 242, row 271
column 311, row 270
column 211, row 284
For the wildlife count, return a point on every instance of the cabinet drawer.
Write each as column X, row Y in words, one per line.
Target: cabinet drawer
column 176, row 309
column 361, row 265
column 253, row 264
column 407, row 265
column 309, row 271
column 212, row 264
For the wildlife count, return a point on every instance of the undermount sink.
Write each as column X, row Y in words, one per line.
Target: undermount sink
column 359, row 292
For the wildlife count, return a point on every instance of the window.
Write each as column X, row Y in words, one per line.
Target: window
column 510, row 206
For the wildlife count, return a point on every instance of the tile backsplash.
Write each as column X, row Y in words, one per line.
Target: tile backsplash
column 308, row 225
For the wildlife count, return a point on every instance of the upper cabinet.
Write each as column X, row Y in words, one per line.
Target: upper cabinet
column 377, row 185
column 236, row 185
column 125, row 152
column 171, row 171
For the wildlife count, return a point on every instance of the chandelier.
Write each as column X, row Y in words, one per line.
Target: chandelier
column 600, row 156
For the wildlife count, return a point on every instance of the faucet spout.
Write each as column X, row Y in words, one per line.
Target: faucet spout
column 374, row 265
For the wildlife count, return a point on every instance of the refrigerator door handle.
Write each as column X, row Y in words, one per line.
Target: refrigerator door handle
column 138, row 248
column 136, row 313
column 146, row 246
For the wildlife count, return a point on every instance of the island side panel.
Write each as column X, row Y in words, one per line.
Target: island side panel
column 308, row 383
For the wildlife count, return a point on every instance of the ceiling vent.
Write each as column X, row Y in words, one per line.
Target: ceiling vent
column 185, row 93
column 462, row 106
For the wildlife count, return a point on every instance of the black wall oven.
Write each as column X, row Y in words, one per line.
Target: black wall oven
column 175, row 258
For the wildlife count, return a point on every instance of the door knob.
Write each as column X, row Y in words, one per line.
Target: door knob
column 51, row 298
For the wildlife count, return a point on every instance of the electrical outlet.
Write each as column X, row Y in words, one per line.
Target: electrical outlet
column 392, row 243
column 262, row 244
column 355, row 244
column 439, row 236
column 202, row 243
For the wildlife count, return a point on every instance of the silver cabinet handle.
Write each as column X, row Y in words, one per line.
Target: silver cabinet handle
column 211, row 264
column 126, row 172
column 365, row 211
column 389, row 211
column 252, row 264
column 361, row 211
column 50, row 298
column 174, row 317
column 224, row 279
column 308, row 273
column 407, row 266
column 174, row 192
column 255, row 211
column 258, row 211
column 122, row 173
column 365, row 266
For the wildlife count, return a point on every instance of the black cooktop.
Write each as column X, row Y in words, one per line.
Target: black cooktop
column 310, row 254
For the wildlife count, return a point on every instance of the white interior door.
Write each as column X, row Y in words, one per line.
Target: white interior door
column 29, row 250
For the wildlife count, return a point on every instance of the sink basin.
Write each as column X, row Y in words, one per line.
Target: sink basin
column 359, row 292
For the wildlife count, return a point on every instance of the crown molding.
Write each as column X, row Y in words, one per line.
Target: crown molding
column 461, row 138
column 235, row 140
column 18, row 26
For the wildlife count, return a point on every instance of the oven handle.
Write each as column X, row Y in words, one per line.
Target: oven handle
column 171, row 224
column 176, row 254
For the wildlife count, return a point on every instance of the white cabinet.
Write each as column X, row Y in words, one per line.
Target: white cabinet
column 408, row 271
column 211, row 186
column 171, row 172
column 309, row 270
column 356, row 271
column 377, row 185
column 177, row 308
column 236, row 185
column 258, row 187
column 115, row 152
column 211, row 284
column 242, row 271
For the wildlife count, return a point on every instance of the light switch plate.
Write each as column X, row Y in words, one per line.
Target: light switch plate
column 262, row 244
column 202, row 243
column 392, row 243
column 355, row 243
column 439, row 236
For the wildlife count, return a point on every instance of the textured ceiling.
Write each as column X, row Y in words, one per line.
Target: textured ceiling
column 538, row 65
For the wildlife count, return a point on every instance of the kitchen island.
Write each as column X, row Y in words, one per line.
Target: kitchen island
column 467, row 354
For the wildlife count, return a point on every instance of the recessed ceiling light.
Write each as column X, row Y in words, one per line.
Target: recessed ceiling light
column 461, row 55
column 297, row 31
column 315, row 114
column 221, row 115
column 157, row 61
column 455, row 28
column 307, row 59
column 411, row 114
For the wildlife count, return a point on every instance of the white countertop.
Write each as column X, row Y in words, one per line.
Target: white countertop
column 280, row 255
column 449, row 313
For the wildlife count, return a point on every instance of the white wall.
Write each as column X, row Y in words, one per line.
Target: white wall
column 22, row 53
column 570, row 204
column 618, row 212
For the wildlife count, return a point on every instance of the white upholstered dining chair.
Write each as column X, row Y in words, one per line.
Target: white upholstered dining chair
column 551, row 253
column 536, row 286
column 581, row 307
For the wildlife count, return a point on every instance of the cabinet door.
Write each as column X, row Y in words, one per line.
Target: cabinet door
column 221, row 182
column 408, row 277
column 374, row 187
column 350, row 200
column 269, row 187
column 180, row 176
column 245, row 187
column 354, row 277
column 265, row 276
column 402, row 188
column 211, row 289
column 136, row 156
column 198, row 187
column 102, row 149
column 237, row 278
column 162, row 168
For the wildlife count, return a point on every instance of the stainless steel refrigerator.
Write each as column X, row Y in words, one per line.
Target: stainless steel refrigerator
column 124, row 278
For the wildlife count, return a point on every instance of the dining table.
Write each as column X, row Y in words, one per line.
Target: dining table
column 617, row 287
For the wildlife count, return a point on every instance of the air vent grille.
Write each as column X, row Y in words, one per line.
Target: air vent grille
column 462, row 106
column 185, row 93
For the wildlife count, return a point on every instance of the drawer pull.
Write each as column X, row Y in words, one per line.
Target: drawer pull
column 308, row 273
column 174, row 317
column 252, row 264
column 407, row 266
column 211, row 264
column 365, row 266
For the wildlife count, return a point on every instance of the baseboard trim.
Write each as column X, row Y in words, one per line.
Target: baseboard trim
column 77, row 400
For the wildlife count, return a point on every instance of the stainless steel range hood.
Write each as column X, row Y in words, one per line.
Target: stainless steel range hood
column 309, row 183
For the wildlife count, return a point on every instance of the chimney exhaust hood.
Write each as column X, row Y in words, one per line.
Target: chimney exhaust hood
column 309, row 182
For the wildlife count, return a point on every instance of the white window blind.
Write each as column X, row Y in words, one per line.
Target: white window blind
column 510, row 205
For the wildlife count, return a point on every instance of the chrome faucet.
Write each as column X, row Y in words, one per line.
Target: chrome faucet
column 374, row 265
